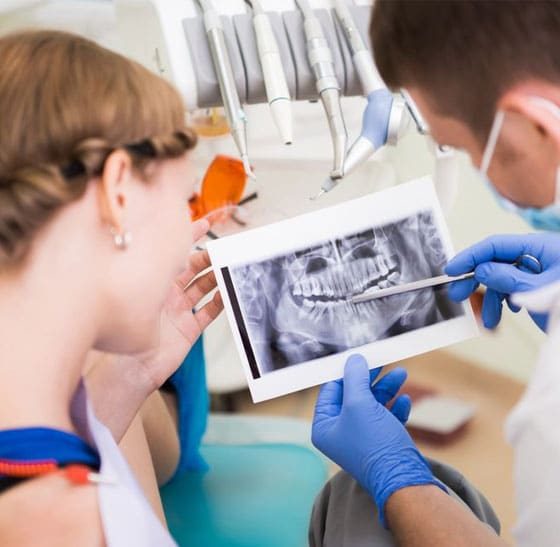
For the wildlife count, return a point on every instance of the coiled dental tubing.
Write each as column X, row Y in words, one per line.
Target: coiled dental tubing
column 232, row 105
column 321, row 61
column 277, row 92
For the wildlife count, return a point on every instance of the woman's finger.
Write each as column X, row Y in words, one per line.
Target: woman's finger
column 198, row 289
column 205, row 315
column 200, row 228
column 197, row 263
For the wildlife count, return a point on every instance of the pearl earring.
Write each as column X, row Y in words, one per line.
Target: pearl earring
column 121, row 240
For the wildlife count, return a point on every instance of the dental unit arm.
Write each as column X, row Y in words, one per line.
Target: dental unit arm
column 232, row 105
column 277, row 92
column 322, row 64
column 221, row 58
column 385, row 119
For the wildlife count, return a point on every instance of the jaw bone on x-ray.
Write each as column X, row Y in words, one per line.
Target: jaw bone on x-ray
column 296, row 305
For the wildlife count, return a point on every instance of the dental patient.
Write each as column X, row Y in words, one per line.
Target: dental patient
column 297, row 307
column 95, row 254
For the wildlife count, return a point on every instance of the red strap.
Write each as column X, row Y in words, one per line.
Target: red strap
column 76, row 474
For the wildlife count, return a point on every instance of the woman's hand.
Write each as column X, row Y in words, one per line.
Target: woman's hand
column 119, row 387
column 183, row 317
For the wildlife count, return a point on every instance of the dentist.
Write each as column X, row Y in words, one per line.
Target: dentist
column 486, row 77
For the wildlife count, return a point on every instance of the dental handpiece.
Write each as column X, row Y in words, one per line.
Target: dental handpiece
column 392, row 113
column 232, row 105
column 277, row 92
column 361, row 55
column 321, row 61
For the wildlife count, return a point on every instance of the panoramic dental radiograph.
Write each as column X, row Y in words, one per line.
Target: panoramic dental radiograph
column 296, row 307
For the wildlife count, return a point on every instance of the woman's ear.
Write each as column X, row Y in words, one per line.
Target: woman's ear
column 114, row 189
column 538, row 107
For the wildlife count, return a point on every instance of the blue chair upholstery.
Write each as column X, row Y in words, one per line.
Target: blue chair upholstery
column 255, row 495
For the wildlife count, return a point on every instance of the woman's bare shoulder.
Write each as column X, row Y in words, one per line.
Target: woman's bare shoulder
column 50, row 511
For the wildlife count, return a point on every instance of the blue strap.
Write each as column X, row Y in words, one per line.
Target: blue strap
column 37, row 444
column 189, row 385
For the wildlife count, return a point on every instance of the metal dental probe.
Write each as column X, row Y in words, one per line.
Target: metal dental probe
column 525, row 262
column 232, row 105
column 407, row 287
column 421, row 125
column 277, row 92
column 322, row 64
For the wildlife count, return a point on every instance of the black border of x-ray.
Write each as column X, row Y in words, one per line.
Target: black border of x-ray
column 240, row 323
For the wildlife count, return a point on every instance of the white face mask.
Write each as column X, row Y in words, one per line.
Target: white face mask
column 545, row 218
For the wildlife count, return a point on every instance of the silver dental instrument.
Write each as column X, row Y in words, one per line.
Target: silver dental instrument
column 361, row 55
column 277, row 92
column 525, row 262
column 321, row 61
column 232, row 105
column 362, row 149
column 415, row 114
column 407, row 287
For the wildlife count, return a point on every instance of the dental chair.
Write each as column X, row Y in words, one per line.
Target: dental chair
column 252, row 481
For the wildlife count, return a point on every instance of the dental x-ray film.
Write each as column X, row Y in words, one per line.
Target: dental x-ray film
column 287, row 289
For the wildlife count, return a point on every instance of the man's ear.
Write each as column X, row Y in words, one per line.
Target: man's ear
column 114, row 189
column 539, row 106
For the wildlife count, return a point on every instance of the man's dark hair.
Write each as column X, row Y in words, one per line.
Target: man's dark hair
column 464, row 54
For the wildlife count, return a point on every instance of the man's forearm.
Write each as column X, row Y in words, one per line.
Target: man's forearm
column 424, row 516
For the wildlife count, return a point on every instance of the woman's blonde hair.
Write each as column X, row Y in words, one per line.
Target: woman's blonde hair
column 65, row 105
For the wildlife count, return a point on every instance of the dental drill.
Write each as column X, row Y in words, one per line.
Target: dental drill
column 277, row 92
column 389, row 113
column 232, row 105
column 321, row 61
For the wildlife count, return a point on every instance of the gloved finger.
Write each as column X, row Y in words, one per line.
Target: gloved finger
column 492, row 308
column 401, row 408
column 356, row 379
column 513, row 307
column 386, row 388
column 500, row 248
column 329, row 399
column 373, row 374
column 461, row 290
column 504, row 278
column 541, row 320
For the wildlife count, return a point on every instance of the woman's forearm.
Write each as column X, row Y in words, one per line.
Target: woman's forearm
column 117, row 388
column 424, row 516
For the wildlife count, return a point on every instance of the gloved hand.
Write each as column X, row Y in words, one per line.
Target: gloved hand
column 492, row 261
column 353, row 428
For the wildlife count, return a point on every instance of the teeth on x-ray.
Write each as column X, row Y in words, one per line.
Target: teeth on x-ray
column 297, row 306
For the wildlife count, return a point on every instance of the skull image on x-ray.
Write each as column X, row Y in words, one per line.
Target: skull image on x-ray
column 296, row 306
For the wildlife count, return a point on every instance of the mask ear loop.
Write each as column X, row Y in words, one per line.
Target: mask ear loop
column 492, row 140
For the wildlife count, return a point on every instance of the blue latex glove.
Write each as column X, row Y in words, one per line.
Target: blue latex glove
column 353, row 428
column 375, row 121
column 492, row 261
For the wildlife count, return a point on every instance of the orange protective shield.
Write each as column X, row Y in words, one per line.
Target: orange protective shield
column 222, row 187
